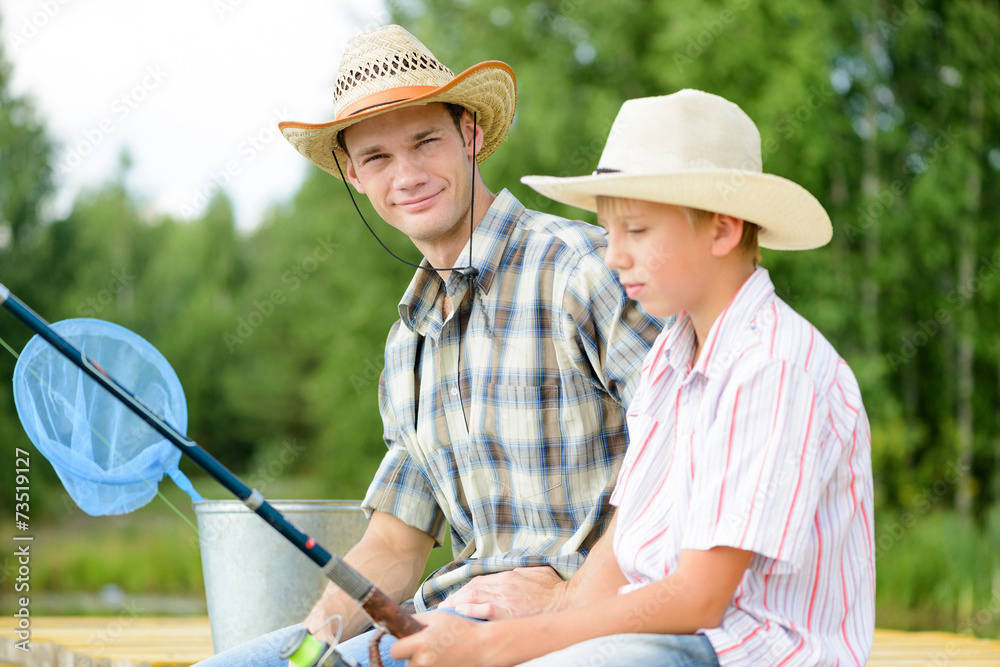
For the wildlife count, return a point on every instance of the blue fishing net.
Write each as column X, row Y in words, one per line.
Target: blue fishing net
column 109, row 460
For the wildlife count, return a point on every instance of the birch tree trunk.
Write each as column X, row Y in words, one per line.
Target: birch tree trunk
column 965, row 385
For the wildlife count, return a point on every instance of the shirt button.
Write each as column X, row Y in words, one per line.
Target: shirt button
column 454, row 391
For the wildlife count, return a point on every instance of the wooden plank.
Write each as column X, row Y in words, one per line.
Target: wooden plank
column 894, row 648
column 181, row 641
column 123, row 641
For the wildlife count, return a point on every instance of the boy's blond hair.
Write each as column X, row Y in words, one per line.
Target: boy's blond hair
column 749, row 245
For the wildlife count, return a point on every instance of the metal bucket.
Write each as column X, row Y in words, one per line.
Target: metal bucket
column 256, row 580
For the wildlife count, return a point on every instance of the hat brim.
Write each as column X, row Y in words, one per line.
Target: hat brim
column 488, row 88
column 790, row 217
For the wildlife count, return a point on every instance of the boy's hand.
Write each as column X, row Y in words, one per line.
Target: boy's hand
column 525, row 591
column 446, row 640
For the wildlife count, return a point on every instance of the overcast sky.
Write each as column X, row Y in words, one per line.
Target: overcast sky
column 194, row 88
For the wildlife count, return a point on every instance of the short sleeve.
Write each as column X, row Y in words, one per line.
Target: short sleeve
column 762, row 466
column 400, row 490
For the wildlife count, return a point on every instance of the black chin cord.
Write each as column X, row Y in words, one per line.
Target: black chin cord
column 468, row 271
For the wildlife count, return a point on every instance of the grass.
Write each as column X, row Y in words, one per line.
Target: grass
column 938, row 571
column 151, row 554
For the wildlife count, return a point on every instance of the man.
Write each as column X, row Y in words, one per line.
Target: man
column 515, row 353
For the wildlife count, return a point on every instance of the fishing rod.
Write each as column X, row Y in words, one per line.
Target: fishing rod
column 380, row 607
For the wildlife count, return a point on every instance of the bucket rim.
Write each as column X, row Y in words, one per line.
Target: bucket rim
column 229, row 506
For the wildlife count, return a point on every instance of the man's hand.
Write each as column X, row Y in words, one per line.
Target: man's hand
column 529, row 591
column 525, row 591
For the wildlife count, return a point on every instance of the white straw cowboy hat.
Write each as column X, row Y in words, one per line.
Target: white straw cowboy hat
column 701, row 151
column 388, row 69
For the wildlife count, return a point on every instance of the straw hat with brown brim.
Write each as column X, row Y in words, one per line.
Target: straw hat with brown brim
column 388, row 69
column 697, row 150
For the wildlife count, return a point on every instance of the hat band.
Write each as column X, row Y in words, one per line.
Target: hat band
column 385, row 97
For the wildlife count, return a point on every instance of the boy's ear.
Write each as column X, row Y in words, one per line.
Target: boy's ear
column 727, row 232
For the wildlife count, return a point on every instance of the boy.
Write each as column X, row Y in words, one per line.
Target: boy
column 743, row 534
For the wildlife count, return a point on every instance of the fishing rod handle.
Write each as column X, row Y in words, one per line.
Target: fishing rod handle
column 390, row 615
column 379, row 606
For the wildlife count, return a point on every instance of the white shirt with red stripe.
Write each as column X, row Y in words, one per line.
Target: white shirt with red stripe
column 762, row 445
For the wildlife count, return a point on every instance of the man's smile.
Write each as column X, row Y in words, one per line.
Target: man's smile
column 419, row 203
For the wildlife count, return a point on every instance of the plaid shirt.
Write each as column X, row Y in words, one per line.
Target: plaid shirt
column 506, row 419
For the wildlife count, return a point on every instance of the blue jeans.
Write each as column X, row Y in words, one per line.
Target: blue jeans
column 263, row 651
column 634, row 649
column 631, row 650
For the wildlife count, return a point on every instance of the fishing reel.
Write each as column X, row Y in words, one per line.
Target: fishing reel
column 301, row 649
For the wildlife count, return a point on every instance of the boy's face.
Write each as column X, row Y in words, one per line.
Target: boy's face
column 416, row 169
column 663, row 262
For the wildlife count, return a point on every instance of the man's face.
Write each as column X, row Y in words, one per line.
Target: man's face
column 416, row 169
column 663, row 262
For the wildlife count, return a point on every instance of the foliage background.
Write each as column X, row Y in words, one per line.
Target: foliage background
column 886, row 111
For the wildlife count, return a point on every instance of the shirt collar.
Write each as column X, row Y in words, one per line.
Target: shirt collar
column 679, row 342
column 417, row 308
column 728, row 336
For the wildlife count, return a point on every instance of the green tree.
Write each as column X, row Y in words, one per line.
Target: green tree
column 189, row 286
column 945, row 55
column 305, row 346
column 25, row 185
column 25, row 165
